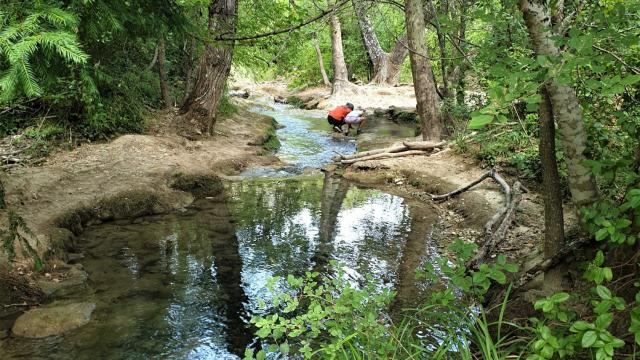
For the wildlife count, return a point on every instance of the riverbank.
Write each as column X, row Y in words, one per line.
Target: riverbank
column 130, row 176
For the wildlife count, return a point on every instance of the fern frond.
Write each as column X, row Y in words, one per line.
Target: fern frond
column 60, row 18
column 26, row 47
column 65, row 44
column 27, row 78
column 9, row 84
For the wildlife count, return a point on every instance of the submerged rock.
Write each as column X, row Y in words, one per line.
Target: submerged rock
column 52, row 320
column 74, row 280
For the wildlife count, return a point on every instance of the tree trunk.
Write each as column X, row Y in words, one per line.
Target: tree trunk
column 340, row 76
column 316, row 45
column 425, row 90
column 188, row 67
column 202, row 103
column 386, row 66
column 553, row 216
column 459, row 71
column 564, row 102
column 162, row 72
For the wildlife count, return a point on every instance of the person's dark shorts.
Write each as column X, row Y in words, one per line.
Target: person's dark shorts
column 333, row 121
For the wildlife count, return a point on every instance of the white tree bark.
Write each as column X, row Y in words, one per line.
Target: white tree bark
column 566, row 108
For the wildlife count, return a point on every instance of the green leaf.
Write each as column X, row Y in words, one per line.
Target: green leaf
column 560, row 297
column 602, row 234
column 480, row 121
column 603, row 292
column 603, row 321
column 284, row 348
column 580, row 326
column 630, row 80
column 588, row 339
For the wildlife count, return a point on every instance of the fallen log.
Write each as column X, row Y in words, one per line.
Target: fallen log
column 397, row 147
column 392, row 149
column 385, row 155
column 423, row 145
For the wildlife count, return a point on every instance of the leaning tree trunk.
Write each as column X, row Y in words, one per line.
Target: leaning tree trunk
column 202, row 103
column 553, row 216
column 424, row 86
column 566, row 108
column 162, row 73
column 386, row 66
column 340, row 76
column 316, row 45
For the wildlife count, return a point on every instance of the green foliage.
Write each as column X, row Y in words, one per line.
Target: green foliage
column 332, row 317
column 44, row 32
column 15, row 234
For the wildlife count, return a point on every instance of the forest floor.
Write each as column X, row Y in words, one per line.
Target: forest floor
column 130, row 165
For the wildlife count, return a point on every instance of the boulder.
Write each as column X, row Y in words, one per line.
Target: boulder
column 52, row 320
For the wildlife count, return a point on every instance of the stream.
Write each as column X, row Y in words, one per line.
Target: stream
column 184, row 285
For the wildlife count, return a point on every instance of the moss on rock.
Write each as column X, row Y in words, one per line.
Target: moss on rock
column 199, row 186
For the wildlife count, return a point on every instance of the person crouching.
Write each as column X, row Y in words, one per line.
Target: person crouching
column 355, row 117
column 337, row 115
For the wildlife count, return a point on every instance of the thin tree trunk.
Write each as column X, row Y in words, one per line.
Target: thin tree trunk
column 424, row 86
column 386, row 66
column 162, row 73
column 188, row 68
column 553, row 216
column 340, row 75
column 565, row 105
column 460, row 70
column 316, row 45
column 202, row 103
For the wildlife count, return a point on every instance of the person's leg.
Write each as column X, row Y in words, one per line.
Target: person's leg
column 336, row 125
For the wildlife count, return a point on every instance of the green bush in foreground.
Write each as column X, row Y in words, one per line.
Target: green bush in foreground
column 333, row 317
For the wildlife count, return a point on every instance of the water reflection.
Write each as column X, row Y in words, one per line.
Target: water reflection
column 183, row 285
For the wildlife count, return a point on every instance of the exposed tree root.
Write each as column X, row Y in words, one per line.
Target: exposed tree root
column 495, row 230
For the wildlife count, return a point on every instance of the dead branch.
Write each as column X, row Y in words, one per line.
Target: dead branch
column 462, row 189
column 493, row 235
column 493, row 239
column 385, row 155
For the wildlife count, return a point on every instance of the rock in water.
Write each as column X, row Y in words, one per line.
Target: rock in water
column 52, row 320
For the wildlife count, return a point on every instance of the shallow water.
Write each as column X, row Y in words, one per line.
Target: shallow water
column 184, row 285
column 306, row 141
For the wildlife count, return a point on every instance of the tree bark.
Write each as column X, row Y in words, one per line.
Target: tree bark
column 340, row 75
column 565, row 105
column 188, row 67
column 386, row 66
column 202, row 103
column 424, row 86
column 553, row 216
column 162, row 73
column 316, row 45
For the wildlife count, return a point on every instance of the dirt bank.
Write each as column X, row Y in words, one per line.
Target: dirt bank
column 132, row 175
